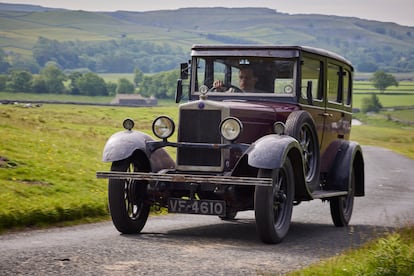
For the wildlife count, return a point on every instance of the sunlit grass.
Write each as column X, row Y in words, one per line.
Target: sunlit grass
column 50, row 156
column 391, row 255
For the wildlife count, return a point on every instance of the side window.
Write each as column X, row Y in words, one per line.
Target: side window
column 334, row 84
column 312, row 72
column 347, row 87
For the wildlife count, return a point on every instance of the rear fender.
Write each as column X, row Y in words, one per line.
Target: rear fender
column 349, row 156
column 124, row 144
column 270, row 152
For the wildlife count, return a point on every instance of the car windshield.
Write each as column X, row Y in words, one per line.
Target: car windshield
column 252, row 76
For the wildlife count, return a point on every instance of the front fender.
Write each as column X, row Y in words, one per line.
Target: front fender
column 123, row 144
column 270, row 151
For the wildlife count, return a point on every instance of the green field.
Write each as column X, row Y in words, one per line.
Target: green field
column 387, row 101
column 50, row 156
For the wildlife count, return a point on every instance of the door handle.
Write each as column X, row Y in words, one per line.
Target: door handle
column 326, row 114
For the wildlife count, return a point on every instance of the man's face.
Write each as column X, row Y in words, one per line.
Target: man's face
column 247, row 80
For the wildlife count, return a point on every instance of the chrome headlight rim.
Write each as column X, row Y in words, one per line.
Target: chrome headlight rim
column 128, row 123
column 279, row 128
column 231, row 128
column 163, row 127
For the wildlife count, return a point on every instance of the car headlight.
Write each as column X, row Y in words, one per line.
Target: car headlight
column 231, row 128
column 163, row 127
column 279, row 128
column 128, row 123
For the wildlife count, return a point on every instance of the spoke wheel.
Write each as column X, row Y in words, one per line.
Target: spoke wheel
column 300, row 126
column 127, row 199
column 273, row 205
column 342, row 207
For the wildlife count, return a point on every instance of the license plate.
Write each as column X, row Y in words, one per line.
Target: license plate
column 203, row 207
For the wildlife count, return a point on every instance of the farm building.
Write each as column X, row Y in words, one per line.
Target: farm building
column 134, row 100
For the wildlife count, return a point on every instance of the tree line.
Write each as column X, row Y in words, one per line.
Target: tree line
column 52, row 80
column 112, row 56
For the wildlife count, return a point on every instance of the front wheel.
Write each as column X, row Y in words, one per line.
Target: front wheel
column 273, row 205
column 342, row 207
column 127, row 199
column 301, row 126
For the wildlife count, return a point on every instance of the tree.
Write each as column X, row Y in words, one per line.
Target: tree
column 111, row 88
column 125, row 86
column 3, row 81
column 138, row 77
column 382, row 80
column 19, row 81
column 371, row 104
column 53, row 78
column 39, row 85
column 91, row 84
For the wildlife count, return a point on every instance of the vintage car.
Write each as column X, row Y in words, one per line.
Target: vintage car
column 263, row 128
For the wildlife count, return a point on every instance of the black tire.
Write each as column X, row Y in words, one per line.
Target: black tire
column 301, row 126
column 127, row 199
column 273, row 205
column 342, row 207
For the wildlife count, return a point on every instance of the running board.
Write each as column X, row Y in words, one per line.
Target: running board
column 320, row 194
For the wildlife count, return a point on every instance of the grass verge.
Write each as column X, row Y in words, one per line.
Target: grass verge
column 390, row 255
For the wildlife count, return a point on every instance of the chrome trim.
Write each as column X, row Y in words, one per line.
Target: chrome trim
column 206, row 105
column 210, row 179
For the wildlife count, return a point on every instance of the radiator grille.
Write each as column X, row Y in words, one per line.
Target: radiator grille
column 199, row 126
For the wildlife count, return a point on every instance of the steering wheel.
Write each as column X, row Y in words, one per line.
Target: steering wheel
column 224, row 88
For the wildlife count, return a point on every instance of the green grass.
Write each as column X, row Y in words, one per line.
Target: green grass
column 377, row 130
column 404, row 115
column 50, row 156
column 390, row 255
column 53, row 97
column 386, row 100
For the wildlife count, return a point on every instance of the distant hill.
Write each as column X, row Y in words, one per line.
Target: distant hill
column 370, row 45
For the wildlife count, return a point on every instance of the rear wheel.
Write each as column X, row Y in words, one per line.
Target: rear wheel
column 273, row 205
column 342, row 207
column 127, row 199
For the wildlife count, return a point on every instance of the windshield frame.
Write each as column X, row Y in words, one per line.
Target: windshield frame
column 282, row 54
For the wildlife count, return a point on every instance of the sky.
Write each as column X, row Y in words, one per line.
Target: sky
column 397, row 11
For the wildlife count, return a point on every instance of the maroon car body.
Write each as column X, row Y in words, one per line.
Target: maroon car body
column 264, row 149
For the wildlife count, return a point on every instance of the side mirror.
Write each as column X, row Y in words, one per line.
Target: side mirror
column 184, row 71
column 179, row 91
column 309, row 93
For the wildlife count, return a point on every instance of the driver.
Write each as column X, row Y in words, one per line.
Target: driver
column 247, row 81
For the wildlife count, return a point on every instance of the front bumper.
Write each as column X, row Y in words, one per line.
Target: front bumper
column 188, row 178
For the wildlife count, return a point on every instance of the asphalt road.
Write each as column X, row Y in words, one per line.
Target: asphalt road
column 205, row 245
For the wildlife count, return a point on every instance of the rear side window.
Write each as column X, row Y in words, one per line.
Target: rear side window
column 347, row 87
column 312, row 74
column 334, row 84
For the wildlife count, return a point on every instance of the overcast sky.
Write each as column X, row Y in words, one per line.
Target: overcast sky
column 398, row 11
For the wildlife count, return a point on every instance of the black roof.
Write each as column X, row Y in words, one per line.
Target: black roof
column 262, row 50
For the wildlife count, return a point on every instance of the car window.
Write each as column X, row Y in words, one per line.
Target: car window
column 267, row 76
column 311, row 74
column 333, row 83
column 347, row 82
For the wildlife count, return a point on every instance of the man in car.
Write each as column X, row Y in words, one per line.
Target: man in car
column 247, row 81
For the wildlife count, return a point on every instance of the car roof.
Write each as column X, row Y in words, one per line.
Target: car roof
column 263, row 51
